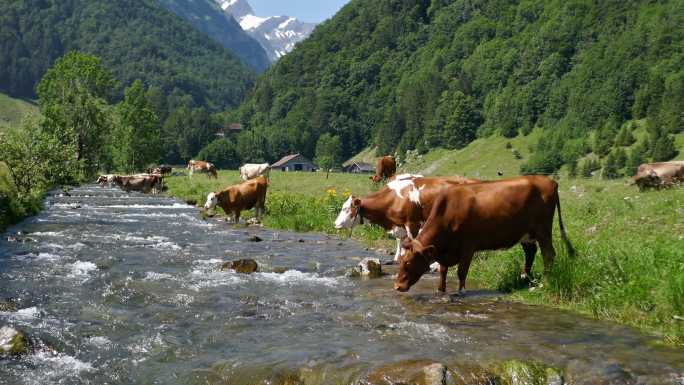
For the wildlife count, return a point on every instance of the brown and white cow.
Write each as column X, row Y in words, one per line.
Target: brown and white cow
column 658, row 175
column 253, row 170
column 385, row 168
column 202, row 167
column 144, row 183
column 400, row 207
column 245, row 196
column 484, row 216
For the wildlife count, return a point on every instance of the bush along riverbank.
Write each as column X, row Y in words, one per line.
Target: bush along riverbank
column 629, row 266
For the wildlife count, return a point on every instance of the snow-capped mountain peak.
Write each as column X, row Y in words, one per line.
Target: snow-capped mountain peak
column 278, row 35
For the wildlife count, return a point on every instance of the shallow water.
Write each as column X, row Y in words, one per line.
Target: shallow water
column 127, row 289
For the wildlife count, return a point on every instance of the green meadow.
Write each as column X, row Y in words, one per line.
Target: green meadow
column 629, row 266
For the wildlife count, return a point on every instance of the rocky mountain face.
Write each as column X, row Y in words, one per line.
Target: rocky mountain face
column 276, row 34
column 208, row 17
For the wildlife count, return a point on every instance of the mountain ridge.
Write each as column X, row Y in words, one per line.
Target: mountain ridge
column 209, row 18
column 278, row 35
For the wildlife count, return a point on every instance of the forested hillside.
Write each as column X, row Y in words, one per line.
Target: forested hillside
column 206, row 16
column 412, row 74
column 136, row 39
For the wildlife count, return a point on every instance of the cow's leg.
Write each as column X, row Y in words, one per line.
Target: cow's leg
column 463, row 266
column 443, row 270
column 530, row 249
column 548, row 252
column 397, row 255
column 237, row 216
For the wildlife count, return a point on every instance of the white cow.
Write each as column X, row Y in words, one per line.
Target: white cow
column 252, row 170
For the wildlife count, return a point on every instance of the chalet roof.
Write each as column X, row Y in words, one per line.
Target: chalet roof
column 362, row 166
column 286, row 159
column 235, row 126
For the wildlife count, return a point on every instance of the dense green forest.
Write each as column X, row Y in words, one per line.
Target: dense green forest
column 208, row 17
column 417, row 74
column 136, row 39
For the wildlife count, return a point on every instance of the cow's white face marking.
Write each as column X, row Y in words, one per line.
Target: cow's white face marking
column 211, row 201
column 346, row 219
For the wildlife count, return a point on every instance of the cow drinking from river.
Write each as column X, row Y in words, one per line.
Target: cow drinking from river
column 400, row 207
column 484, row 216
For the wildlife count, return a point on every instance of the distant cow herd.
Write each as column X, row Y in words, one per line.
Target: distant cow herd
column 438, row 222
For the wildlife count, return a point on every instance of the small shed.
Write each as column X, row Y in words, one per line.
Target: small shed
column 295, row 162
column 359, row 168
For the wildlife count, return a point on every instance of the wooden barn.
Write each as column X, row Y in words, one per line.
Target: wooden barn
column 294, row 162
column 359, row 168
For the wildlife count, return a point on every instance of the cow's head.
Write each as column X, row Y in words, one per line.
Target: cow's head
column 212, row 200
column 349, row 215
column 414, row 263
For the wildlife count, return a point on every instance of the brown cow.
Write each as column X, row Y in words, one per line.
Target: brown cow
column 245, row 196
column 484, row 216
column 142, row 182
column 400, row 207
column 384, row 169
column 202, row 167
column 658, row 175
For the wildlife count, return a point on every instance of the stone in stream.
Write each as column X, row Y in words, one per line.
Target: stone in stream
column 12, row 342
column 254, row 238
column 367, row 267
column 7, row 305
column 413, row 372
column 242, row 266
column 516, row 372
column 191, row 202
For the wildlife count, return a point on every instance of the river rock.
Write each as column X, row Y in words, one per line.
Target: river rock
column 370, row 267
column 279, row 270
column 413, row 372
column 254, row 238
column 191, row 202
column 12, row 342
column 242, row 266
column 7, row 306
column 516, row 372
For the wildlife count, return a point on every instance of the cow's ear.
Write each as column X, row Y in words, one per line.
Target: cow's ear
column 356, row 202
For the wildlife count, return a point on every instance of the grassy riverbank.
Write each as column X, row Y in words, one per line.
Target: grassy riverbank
column 630, row 262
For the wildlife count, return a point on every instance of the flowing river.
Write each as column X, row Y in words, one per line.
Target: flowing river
column 116, row 288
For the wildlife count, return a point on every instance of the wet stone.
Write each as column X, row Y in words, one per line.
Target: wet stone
column 7, row 305
column 255, row 238
column 279, row 270
column 516, row 372
column 242, row 266
column 191, row 202
column 413, row 372
column 12, row 342
column 370, row 267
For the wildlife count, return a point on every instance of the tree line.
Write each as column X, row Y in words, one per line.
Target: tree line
column 415, row 75
column 135, row 39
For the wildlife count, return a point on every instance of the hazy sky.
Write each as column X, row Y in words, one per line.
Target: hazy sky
column 305, row 10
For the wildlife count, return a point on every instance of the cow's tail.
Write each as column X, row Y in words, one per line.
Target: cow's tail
column 564, row 236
